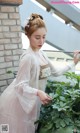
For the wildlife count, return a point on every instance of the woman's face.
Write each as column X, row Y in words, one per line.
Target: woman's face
column 37, row 39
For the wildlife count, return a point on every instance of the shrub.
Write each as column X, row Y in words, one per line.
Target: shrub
column 62, row 114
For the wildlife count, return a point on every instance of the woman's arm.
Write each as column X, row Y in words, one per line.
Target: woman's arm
column 26, row 94
column 57, row 71
column 23, row 76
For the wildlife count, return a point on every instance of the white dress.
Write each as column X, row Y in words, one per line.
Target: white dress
column 19, row 103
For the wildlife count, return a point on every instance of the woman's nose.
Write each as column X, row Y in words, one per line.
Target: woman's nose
column 41, row 40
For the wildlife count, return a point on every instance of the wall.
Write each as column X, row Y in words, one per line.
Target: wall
column 10, row 41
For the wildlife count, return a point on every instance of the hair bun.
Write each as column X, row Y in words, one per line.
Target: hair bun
column 34, row 16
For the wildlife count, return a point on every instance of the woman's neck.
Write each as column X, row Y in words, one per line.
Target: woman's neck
column 34, row 49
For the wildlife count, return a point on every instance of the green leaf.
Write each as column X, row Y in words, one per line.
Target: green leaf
column 62, row 123
column 62, row 98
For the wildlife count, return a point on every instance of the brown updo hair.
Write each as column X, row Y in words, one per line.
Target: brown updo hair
column 35, row 21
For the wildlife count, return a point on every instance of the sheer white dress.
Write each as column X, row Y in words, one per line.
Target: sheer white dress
column 19, row 103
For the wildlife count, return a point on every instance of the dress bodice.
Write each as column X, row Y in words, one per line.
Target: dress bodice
column 44, row 71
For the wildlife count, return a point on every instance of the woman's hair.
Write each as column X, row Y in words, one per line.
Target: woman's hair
column 35, row 21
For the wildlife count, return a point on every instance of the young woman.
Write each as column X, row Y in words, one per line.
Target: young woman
column 20, row 102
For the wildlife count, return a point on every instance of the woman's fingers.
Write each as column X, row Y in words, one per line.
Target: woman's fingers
column 45, row 102
column 76, row 53
column 47, row 99
column 76, row 56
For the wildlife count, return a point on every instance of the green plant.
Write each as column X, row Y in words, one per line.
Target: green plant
column 63, row 113
column 14, row 73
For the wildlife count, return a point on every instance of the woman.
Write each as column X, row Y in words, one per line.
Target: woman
column 20, row 102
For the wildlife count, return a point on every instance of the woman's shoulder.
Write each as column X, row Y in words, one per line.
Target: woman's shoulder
column 25, row 53
column 43, row 53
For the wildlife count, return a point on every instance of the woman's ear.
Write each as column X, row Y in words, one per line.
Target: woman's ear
column 28, row 37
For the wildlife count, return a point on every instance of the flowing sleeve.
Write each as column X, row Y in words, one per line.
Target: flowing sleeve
column 57, row 71
column 25, row 93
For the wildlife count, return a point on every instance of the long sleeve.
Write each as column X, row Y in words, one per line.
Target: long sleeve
column 25, row 93
column 60, row 70
column 57, row 71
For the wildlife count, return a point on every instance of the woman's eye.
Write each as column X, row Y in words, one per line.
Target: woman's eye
column 37, row 38
column 40, row 38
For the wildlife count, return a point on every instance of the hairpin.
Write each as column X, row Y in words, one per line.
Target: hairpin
column 33, row 17
column 26, row 22
column 41, row 17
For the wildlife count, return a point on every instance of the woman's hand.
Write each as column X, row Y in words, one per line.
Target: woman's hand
column 44, row 97
column 76, row 56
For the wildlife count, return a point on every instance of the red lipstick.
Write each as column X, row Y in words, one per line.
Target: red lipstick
column 39, row 45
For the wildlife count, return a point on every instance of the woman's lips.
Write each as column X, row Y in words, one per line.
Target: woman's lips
column 39, row 45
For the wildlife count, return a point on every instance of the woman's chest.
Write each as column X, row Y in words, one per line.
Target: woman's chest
column 40, row 67
column 45, row 71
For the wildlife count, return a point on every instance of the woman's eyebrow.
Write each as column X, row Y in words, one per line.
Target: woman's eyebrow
column 40, row 35
column 37, row 35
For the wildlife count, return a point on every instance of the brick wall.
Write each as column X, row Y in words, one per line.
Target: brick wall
column 10, row 43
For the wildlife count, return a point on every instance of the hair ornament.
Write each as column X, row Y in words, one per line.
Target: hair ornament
column 26, row 22
column 32, row 18
column 35, row 16
column 41, row 17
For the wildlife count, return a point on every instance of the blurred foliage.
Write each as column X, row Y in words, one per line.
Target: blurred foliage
column 62, row 114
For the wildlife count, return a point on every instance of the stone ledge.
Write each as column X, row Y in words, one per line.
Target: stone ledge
column 12, row 2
